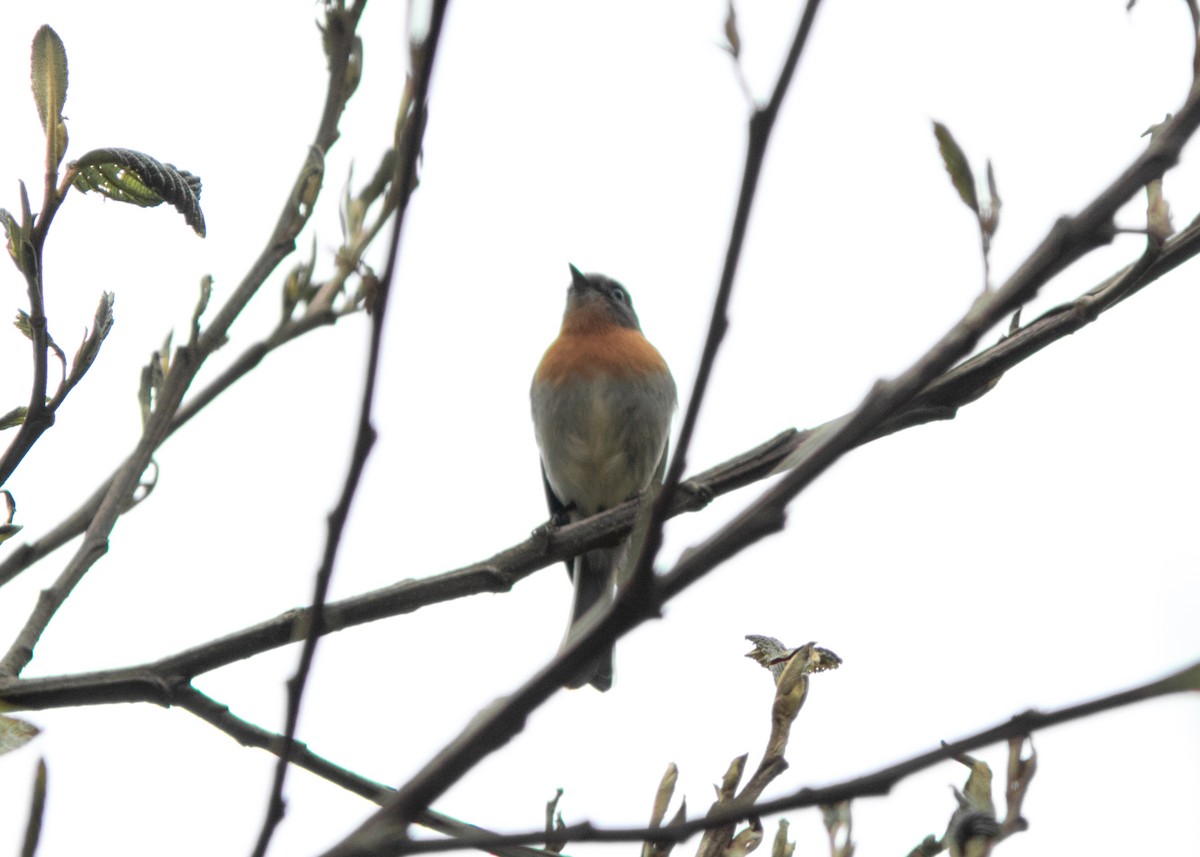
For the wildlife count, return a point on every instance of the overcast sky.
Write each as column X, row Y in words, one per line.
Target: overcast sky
column 1036, row 551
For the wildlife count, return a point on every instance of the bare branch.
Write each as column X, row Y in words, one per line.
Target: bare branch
column 493, row 728
column 423, row 53
column 250, row 735
column 877, row 783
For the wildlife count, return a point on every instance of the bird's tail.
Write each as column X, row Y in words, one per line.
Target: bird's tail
column 594, row 584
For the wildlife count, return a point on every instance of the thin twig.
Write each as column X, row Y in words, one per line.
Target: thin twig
column 959, row 387
column 38, row 416
column 1070, row 239
column 186, row 363
column 493, row 728
column 423, row 54
column 874, row 784
column 250, row 735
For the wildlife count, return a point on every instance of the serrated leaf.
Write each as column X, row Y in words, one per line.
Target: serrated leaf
column 49, row 75
column 957, row 166
column 15, row 733
column 128, row 176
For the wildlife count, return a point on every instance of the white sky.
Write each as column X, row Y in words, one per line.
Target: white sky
column 1037, row 551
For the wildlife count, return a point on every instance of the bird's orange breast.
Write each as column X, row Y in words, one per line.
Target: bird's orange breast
column 615, row 352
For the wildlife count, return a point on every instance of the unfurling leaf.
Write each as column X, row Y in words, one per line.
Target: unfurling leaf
column 733, row 775
column 555, row 842
column 776, row 657
column 297, row 286
column 201, row 305
column 49, row 78
column 733, row 40
column 153, row 376
column 128, row 176
column 840, row 826
column 782, row 847
column 15, row 733
column 90, row 347
column 978, row 790
column 746, row 840
column 990, row 220
column 662, row 798
column 957, row 166
column 17, row 237
column 973, row 827
column 21, row 323
column 8, row 529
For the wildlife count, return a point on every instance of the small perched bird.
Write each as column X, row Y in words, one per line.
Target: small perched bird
column 602, row 404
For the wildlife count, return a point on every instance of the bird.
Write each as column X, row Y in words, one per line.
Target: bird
column 602, row 400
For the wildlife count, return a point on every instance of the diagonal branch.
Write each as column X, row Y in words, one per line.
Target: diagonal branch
column 187, row 363
column 877, row 783
column 422, row 53
column 493, row 728
column 960, row 386
column 1069, row 239
column 249, row 735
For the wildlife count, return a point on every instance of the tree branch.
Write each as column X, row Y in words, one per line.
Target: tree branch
column 940, row 400
column 423, row 53
column 185, row 365
column 491, row 729
column 877, row 783
column 250, row 735
column 1068, row 240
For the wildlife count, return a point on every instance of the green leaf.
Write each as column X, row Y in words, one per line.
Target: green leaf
column 49, row 74
column 201, row 305
column 13, row 418
column 782, row 847
column 14, row 236
column 17, row 234
column 957, row 166
column 90, row 347
column 21, row 323
column 49, row 77
column 128, row 176
column 991, row 220
column 297, row 286
column 154, row 374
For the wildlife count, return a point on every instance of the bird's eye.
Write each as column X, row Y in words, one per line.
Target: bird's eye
column 618, row 295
